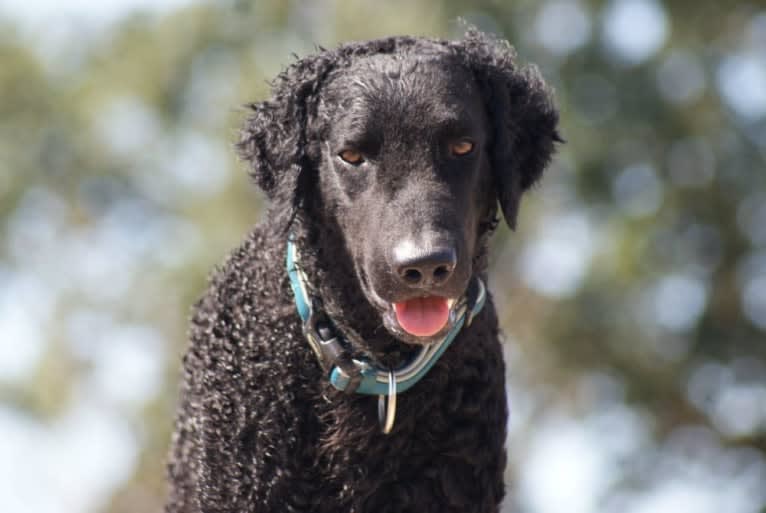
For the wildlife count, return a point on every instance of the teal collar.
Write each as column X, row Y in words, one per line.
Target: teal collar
column 361, row 375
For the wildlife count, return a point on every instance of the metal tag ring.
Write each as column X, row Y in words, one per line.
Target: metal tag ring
column 387, row 405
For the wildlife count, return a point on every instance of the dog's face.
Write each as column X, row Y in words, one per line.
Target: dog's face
column 404, row 167
column 410, row 144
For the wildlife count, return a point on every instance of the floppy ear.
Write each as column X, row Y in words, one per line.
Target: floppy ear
column 522, row 115
column 281, row 136
column 277, row 139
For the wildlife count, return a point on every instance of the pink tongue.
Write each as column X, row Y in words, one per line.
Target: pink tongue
column 422, row 316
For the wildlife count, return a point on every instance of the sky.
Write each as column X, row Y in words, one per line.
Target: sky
column 34, row 13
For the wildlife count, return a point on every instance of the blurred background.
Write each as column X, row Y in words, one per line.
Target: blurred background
column 633, row 295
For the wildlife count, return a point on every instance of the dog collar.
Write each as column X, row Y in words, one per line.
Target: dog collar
column 361, row 375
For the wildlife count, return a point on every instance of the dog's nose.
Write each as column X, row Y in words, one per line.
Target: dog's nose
column 424, row 267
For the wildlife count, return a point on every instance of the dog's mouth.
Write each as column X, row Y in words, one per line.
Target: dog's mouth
column 423, row 316
column 420, row 320
column 417, row 320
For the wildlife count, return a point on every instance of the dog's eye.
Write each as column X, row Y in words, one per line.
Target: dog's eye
column 461, row 147
column 351, row 156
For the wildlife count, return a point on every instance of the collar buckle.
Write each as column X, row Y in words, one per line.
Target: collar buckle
column 330, row 351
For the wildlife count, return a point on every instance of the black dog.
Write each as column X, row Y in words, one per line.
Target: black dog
column 384, row 162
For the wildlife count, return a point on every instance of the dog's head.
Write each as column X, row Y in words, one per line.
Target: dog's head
column 411, row 144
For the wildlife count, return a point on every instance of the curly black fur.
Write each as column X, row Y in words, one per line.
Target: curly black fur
column 259, row 428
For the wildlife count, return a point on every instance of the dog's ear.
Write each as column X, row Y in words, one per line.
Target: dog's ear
column 281, row 137
column 277, row 139
column 522, row 115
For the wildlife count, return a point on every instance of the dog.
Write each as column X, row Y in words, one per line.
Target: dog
column 346, row 356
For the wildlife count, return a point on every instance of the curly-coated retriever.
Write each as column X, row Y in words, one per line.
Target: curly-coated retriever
column 344, row 358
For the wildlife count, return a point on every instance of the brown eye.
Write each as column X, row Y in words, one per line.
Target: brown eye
column 351, row 157
column 462, row 147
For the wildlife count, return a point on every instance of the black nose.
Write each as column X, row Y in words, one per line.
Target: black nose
column 424, row 267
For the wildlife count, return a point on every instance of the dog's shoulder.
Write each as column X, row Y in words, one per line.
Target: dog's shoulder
column 246, row 313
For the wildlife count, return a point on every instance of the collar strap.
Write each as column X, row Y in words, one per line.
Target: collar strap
column 361, row 375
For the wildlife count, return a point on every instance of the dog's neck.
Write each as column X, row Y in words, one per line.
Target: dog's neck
column 333, row 282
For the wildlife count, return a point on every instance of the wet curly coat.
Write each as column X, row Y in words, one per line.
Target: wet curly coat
column 259, row 428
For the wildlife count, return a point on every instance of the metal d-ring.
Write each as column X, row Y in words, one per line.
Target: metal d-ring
column 387, row 407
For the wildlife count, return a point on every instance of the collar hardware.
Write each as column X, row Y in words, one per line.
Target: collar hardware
column 387, row 406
